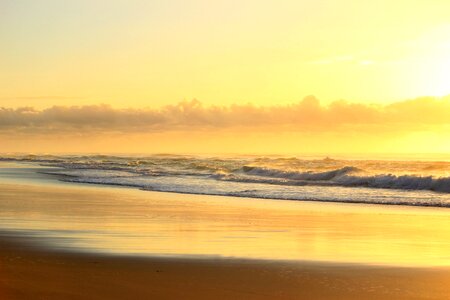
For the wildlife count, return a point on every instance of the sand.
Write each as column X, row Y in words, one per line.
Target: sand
column 287, row 250
column 35, row 273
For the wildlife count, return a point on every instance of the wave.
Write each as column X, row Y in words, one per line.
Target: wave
column 405, row 182
column 294, row 175
column 339, row 177
column 258, row 170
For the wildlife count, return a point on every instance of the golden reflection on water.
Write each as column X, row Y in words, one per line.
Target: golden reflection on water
column 131, row 221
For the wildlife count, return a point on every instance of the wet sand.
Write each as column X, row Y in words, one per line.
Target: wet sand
column 61, row 241
column 35, row 273
column 130, row 221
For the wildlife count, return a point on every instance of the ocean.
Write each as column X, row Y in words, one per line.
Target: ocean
column 374, row 181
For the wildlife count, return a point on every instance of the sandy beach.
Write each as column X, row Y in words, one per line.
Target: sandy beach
column 75, row 241
column 30, row 273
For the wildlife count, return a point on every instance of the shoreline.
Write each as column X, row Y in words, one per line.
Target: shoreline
column 403, row 204
column 60, row 178
column 407, row 199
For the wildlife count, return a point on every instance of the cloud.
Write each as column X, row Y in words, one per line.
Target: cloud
column 306, row 115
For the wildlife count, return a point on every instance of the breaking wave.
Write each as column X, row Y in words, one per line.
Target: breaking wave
column 345, row 176
column 328, row 175
column 405, row 182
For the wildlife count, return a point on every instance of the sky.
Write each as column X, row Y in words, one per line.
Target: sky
column 224, row 76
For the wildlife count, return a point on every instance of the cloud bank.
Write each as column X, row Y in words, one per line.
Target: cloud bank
column 306, row 115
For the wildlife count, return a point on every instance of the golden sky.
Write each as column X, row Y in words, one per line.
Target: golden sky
column 131, row 66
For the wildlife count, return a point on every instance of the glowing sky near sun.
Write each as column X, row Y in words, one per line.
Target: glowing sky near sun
column 147, row 55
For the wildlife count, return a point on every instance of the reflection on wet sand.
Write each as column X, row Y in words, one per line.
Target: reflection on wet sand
column 116, row 220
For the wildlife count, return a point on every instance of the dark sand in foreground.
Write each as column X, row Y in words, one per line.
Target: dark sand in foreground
column 31, row 273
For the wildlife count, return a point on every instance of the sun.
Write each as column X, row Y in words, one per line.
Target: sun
column 441, row 86
column 436, row 62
